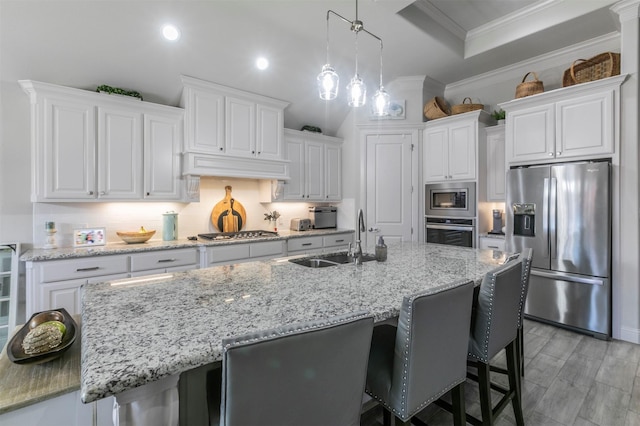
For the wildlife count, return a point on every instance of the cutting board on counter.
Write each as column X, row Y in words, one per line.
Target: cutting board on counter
column 228, row 215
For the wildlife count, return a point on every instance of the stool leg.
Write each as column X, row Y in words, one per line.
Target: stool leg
column 521, row 349
column 386, row 417
column 513, row 368
column 484, row 386
column 457, row 398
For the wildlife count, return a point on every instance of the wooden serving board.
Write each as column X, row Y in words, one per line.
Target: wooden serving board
column 228, row 215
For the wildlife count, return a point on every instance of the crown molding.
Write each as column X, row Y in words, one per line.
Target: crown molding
column 548, row 60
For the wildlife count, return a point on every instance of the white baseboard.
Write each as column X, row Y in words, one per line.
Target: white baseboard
column 630, row 334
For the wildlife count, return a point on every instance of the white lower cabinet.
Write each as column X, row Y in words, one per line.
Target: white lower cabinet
column 238, row 253
column 54, row 284
column 318, row 243
column 66, row 410
column 491, row 243
column 158, row 262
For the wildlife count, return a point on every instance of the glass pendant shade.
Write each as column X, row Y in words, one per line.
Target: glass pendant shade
column 381, row 101
column 328, row 83
column 357, row 92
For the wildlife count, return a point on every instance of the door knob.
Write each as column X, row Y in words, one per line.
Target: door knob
column 374, row 230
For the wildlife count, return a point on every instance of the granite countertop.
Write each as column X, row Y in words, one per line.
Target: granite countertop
column 23, row 385
column 138, row 333
column 40, row 254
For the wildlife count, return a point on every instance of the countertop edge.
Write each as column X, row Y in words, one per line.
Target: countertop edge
column 40, row 254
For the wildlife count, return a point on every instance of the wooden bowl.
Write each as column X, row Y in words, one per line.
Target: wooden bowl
column 135, row 237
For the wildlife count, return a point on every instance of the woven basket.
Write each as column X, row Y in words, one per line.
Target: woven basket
column 436, row 108
column 528, row 88
column 600, row 66
column 465, row 107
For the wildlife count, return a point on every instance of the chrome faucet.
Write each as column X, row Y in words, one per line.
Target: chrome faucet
column 360, row 227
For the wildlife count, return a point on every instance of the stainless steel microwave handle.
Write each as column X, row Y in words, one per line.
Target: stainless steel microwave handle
column 451, row 228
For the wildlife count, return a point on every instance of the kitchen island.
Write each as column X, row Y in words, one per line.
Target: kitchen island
column 137, row 332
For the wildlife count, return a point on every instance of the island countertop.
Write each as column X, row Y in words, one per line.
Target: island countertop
column 138, row 332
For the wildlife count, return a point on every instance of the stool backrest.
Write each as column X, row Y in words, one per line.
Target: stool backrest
column 497, row 311
column 431, row 345
column 304, row 374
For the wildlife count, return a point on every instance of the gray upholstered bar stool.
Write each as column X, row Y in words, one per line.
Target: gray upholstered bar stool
column 494, row 327
column 303, row 374
column 425, row 356
column 526, row 256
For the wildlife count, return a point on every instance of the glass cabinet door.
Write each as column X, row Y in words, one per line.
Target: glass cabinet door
column 8, row 290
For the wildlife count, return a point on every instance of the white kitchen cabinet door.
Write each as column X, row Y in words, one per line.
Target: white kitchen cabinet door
column 162, row 153
column 240, row 127
column 436, row 154
column 294, row 188
column 584, row 125
column 204, row 127
column 461, row 162
column 269, row 132
column 66, row 160
column 333, row 172
column 450, row 151
column 530, row 134
column 314, row 170
column 63, row 294
column 496, row 166
column 119, row 153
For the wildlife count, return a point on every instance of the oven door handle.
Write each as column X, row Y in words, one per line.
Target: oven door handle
column 451, row 227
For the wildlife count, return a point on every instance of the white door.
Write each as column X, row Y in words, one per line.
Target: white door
column 390, row 204
column 162, row 145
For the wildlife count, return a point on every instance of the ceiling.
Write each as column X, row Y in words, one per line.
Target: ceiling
column 92, row 42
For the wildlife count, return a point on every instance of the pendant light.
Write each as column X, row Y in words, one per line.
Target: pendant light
column 328, row 80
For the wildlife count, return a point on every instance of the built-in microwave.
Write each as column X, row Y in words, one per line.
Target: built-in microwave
column 451, row 199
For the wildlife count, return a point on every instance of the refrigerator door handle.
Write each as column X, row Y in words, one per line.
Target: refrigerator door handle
column 553, row 234
column 545, row 214
column 570, row 278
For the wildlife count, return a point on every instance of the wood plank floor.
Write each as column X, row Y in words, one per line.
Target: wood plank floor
column 570, row 380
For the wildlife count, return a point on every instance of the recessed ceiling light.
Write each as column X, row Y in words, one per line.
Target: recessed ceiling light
column 262, row 63
column 170, row 32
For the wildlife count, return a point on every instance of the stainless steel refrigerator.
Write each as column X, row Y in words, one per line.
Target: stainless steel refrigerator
column 563, row 212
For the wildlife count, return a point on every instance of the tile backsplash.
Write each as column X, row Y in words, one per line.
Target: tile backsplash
column 193, row 218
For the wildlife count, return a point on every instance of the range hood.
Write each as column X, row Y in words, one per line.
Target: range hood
column 204, row 164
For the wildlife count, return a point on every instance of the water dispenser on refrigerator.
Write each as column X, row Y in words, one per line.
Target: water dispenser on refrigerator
column 524, row 219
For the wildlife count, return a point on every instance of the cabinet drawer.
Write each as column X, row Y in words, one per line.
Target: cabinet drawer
column 60, row 270
column 163, row 259
column 492, row 243
column 267, row 248
column 227, row 253
column 337, row 240
column 307, row 243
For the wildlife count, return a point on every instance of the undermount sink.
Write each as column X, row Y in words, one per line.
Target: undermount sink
column 325, row 260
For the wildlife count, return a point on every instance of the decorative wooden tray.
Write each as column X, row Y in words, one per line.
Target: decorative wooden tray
column 14, row 348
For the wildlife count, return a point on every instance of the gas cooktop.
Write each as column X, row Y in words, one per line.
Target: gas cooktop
column 240, row 235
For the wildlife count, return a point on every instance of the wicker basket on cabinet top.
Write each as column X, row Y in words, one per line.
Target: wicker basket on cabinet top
column 528, row 88
column 604, row 65
column 436, row 108
column 465, row 107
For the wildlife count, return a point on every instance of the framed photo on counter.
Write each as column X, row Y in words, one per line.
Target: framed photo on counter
column 88, row 237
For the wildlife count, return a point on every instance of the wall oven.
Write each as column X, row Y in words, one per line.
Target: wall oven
column 451, row 199
column 453, row 232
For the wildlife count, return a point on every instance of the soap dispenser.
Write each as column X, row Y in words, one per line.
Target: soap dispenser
column 381, row 250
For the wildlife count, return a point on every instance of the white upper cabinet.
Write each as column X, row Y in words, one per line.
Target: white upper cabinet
column 315, row 167
column 89, row 146
column 230, row 132
column 65, row 149
column 496, row 165
column 119, row 153
column 576, row 122
column 162, row 147
column 450, row 147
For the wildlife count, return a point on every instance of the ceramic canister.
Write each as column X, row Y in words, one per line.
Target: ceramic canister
column 170, row 226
